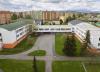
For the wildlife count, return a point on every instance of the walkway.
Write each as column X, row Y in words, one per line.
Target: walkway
column 47, row 43
column 44, row 42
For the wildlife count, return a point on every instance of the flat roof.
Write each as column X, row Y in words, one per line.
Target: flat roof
column 75, row 22
column 84, row 25
column 87, row 26
column 13, row 26
column 98, row 24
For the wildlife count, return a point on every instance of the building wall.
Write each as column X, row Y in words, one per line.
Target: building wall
column 11, row 38
column 95, row 38
column 94, row 35
column 50, row 15
column 5, row 17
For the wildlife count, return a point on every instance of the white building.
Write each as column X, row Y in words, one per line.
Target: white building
column 12, row 34
column 52, row 28
column 80, row 28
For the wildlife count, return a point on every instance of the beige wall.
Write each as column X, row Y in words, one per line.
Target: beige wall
column 5, row 17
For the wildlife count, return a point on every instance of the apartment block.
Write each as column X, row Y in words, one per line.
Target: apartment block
column 5, row 17
column 50, row 15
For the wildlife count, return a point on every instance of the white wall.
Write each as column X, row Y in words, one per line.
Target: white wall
column 52, row 28
column 95, row 35
column 8, row 36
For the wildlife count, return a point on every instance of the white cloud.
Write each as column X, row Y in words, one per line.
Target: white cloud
column 22, row 5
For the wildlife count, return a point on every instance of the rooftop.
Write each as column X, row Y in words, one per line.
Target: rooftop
column 87, row 26
column 75, row 22
column 15, row 25
column 84, row 25
column 98, row 24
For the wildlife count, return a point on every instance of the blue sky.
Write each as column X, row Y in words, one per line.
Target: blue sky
column 23, row 5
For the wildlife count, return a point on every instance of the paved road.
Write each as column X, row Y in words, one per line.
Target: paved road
column 1, row 70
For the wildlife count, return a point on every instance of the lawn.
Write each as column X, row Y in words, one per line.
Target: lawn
column 59, row 44
column 92, row 67
column 38, row 53
column 21, row 47
column 21, row 66
column 67, row 66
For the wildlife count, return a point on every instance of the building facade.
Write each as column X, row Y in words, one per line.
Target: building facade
column 12, row 34
column 50, row 15
column 80, row 29
column 5, row 17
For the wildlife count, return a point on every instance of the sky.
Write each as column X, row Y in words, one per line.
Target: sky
column 64, row 5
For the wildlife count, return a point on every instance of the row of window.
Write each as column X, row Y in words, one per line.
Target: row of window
column 19, row 34
column 53, row 29
column 80, row 31
column 17, row 31
column 26, row 31
column 21, row 29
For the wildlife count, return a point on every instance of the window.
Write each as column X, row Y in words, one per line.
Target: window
column 98, row 44
column 0, row 40
column 21, row 33
column 17, row 36
column 19, row 30
column 47, row 29
column 99, row 39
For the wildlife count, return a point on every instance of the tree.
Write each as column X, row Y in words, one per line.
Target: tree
column 88, row 37
column 14, row 17
column 30, row 40
column 28, row 17
column 85, row 43
column 70, row 46
column 66, row 21
column 83, row 48
column 73, row 41
column 34, row 65
column 73, row 17
column 61, row 21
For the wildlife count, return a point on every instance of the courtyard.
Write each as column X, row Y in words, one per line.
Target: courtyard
column 49, row 58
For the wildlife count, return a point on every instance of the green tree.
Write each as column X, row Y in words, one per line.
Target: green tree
column 28, row 17
column 14, row 17
column 73, row 41
column 88, row 37
column 35, row 65
column 66, row 21
column 86, row 43
column 73, row 16
column 61, row 21
column 83, row 49
column 70, row 46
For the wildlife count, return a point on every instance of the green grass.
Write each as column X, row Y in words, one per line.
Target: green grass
column 20, row 66
column 21, row 47
column 78, row 46
column 92, row 67
column 38, row 53
column 59, row 44
column 67, row 66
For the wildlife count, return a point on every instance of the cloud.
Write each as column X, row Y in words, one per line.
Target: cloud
column 23, row 5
